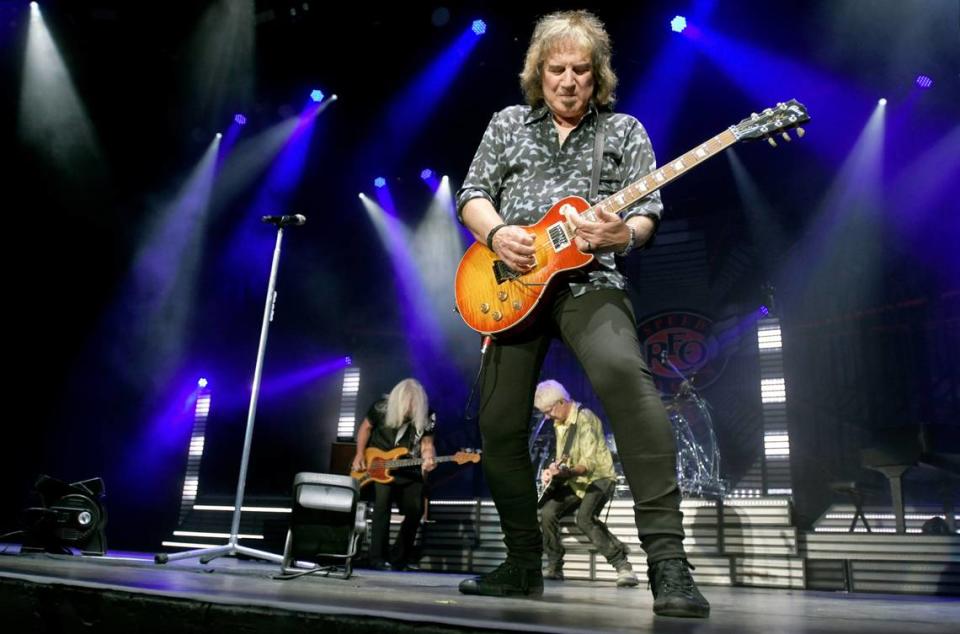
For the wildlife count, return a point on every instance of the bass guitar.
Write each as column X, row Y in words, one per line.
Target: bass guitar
column 380, row 463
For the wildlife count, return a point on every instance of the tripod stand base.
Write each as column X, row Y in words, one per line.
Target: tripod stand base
column 206, row 555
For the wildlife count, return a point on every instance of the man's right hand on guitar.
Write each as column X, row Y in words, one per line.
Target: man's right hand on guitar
column 359, row 464
column 549, row 473
column 515, row 247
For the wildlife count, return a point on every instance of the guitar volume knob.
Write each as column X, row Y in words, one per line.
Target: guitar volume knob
column 484, row 308
column 497, row 315
column 517, row 305
column 502, row 296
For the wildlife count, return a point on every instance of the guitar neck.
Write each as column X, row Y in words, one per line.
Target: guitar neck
column 409, row 462
column 668, row 173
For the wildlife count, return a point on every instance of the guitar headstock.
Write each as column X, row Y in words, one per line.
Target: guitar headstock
column 463, row 457
column 773, row 121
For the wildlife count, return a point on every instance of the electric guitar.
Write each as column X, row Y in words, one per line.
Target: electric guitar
column 491, row 298
column 379, row 463
column 546, row 490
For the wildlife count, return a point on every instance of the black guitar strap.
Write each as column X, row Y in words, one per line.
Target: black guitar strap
column 568, row 441
column 597, row 157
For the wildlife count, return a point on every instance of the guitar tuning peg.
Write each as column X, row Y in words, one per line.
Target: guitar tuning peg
column 754, row 115
column 786, row 136
column 800, row 132
column 771, row 141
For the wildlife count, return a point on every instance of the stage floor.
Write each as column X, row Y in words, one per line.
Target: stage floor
column 61, row 593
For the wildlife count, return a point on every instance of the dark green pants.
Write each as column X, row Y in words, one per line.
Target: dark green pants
column 599, row 327
column 564, row 501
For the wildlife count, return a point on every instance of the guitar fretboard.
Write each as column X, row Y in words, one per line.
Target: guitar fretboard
column 667, row 173
column 409, row 462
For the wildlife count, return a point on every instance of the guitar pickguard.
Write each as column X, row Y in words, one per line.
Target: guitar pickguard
column 502, row 272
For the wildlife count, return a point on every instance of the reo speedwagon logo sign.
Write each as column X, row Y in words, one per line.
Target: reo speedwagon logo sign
column 689, row 345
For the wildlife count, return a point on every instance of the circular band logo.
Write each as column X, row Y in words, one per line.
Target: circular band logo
column 678, row 345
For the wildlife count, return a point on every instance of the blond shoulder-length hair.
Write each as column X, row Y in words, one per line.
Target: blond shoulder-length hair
column 555, row 30
column 407, row 402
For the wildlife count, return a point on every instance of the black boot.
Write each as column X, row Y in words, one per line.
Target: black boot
column 674, row 591
column 507, row 580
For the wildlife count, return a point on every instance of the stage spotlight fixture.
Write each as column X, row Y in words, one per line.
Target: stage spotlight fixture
column 316, row 95
column 882, row 101
column 202, row 382
column 479, row 27
column 678, row 23
column 240, row 119
column 427, row 173
column 924, row 81
column 72, row 515
column 379, row 182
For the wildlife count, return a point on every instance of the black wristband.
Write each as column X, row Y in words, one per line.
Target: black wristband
column 492, row 232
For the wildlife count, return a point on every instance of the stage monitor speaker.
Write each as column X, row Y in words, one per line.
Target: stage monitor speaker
column 72, row 516
column 327, row 522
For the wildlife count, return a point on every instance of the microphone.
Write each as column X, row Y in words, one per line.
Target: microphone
column 285, row 221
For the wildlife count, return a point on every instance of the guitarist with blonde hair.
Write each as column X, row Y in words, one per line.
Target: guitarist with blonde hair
column 399, row 419
column 581, row 479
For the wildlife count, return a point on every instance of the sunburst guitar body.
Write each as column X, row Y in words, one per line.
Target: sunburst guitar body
column 491, row 298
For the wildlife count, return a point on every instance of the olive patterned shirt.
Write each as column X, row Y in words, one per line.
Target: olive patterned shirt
column 522, row 169
column 589, row 448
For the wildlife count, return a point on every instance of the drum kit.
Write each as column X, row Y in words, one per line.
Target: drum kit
column 698, row 456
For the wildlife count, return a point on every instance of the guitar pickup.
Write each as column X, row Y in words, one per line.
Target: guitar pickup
column 502, row 272
column 559, row 239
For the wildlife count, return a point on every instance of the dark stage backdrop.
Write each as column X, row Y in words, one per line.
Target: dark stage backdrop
column 97, row 387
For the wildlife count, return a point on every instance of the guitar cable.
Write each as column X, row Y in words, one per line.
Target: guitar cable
column 487, row 340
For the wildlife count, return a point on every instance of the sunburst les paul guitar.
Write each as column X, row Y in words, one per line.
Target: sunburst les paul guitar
column 492, row 298
column 380, row 463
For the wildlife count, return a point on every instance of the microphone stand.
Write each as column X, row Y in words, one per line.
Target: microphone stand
column 232, row 547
